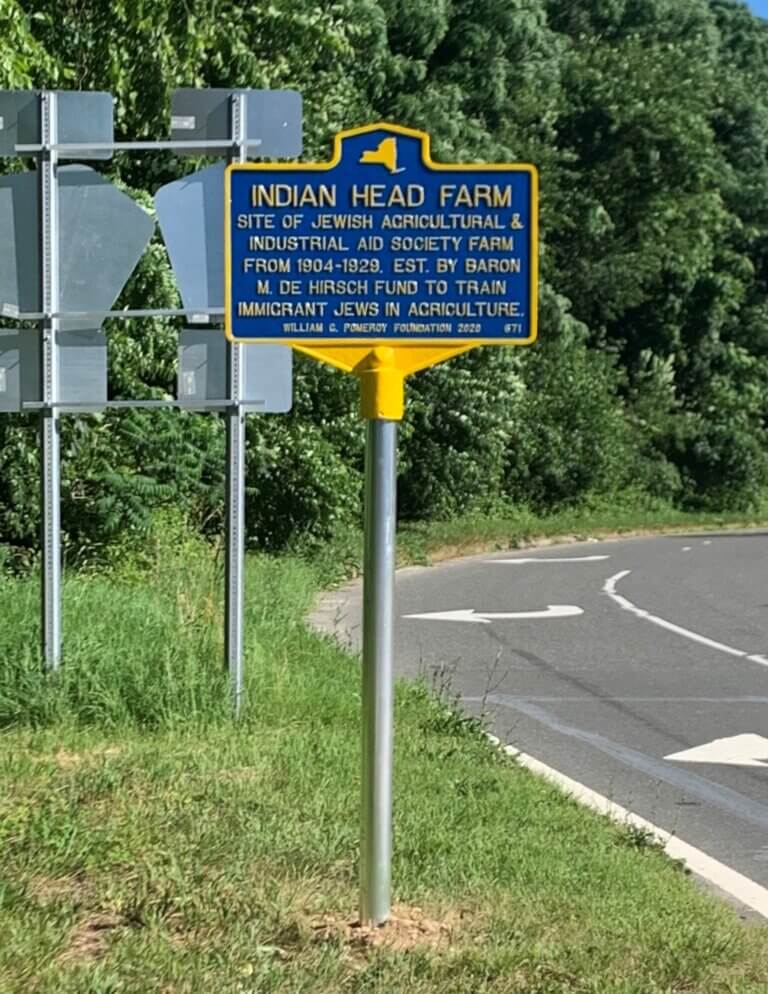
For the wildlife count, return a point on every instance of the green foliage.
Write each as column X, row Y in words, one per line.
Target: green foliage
column 580, row 445
column 22, row 57
column 460, row 416
column 648, row 120
column 722, row 463
column 298, row 483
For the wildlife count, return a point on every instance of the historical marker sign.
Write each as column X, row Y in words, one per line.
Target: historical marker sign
column 380, row 262
column 381, row 244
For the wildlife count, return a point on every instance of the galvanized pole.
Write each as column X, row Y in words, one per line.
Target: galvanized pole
column 235, row 485
column 378, row 710
column 49, row 431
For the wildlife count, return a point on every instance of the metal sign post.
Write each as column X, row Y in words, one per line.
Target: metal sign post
column 63, row 367
column 50, row 437
column 381, row 262
column 378, row 680
column 234, row 560
column 190, row 211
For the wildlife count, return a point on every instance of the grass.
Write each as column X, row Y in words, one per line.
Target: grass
column 432, row 541
column 150, row 844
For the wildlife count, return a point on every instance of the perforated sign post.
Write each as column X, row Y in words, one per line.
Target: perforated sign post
column 381, row 262
column 62, row 266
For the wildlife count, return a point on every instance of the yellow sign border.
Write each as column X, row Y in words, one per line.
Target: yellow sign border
column 310, row 344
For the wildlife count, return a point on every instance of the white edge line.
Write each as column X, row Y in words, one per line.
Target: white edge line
column 744, row 890
column 522, row 561
column 609, row 587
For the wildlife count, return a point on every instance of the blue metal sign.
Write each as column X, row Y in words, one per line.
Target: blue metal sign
column 381, row 244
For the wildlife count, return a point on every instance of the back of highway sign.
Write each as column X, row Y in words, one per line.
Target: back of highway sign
column 381, row 244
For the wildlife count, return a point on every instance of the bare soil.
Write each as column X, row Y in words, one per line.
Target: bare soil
column 407, row 928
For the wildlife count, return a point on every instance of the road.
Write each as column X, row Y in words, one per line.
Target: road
column 633, row 651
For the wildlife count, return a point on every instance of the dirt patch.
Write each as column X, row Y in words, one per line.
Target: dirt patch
column 407, row 928
column 50, row 890
column 90, row 939
column 67, row 760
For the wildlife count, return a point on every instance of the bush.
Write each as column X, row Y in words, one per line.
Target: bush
column 459, row 418
column 569, row 437
column 299, row 486
column 722, row 464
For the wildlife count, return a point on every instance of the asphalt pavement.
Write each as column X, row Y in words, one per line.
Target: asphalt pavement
column 605, row 659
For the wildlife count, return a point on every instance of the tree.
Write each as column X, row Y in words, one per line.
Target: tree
column 648, row 120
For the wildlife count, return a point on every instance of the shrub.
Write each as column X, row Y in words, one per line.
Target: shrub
column 457, row 432
column 722, row 464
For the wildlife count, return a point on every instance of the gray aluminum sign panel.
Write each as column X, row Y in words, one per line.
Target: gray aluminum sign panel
column 191, row 216
column 82, row 369
column 103, row 236
column 202, row 367
column 268, row 378
column 83, row 117
column 19, row 244
column 203, row 373
column 273, row 120
column 19, row 368
column 103, row 233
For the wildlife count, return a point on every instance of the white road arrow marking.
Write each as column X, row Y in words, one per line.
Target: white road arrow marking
column 738, row 750
column 485, row 617
column 551, row 559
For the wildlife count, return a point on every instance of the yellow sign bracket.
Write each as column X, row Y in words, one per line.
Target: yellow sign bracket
column 382, row 369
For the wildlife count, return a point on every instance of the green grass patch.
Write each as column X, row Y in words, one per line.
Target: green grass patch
column 431, row 541
column 150, row 844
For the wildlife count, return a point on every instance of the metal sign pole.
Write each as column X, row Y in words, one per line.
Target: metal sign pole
column 76, row 204
column 49, row 431
column 378, row 695
column 235, row 482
